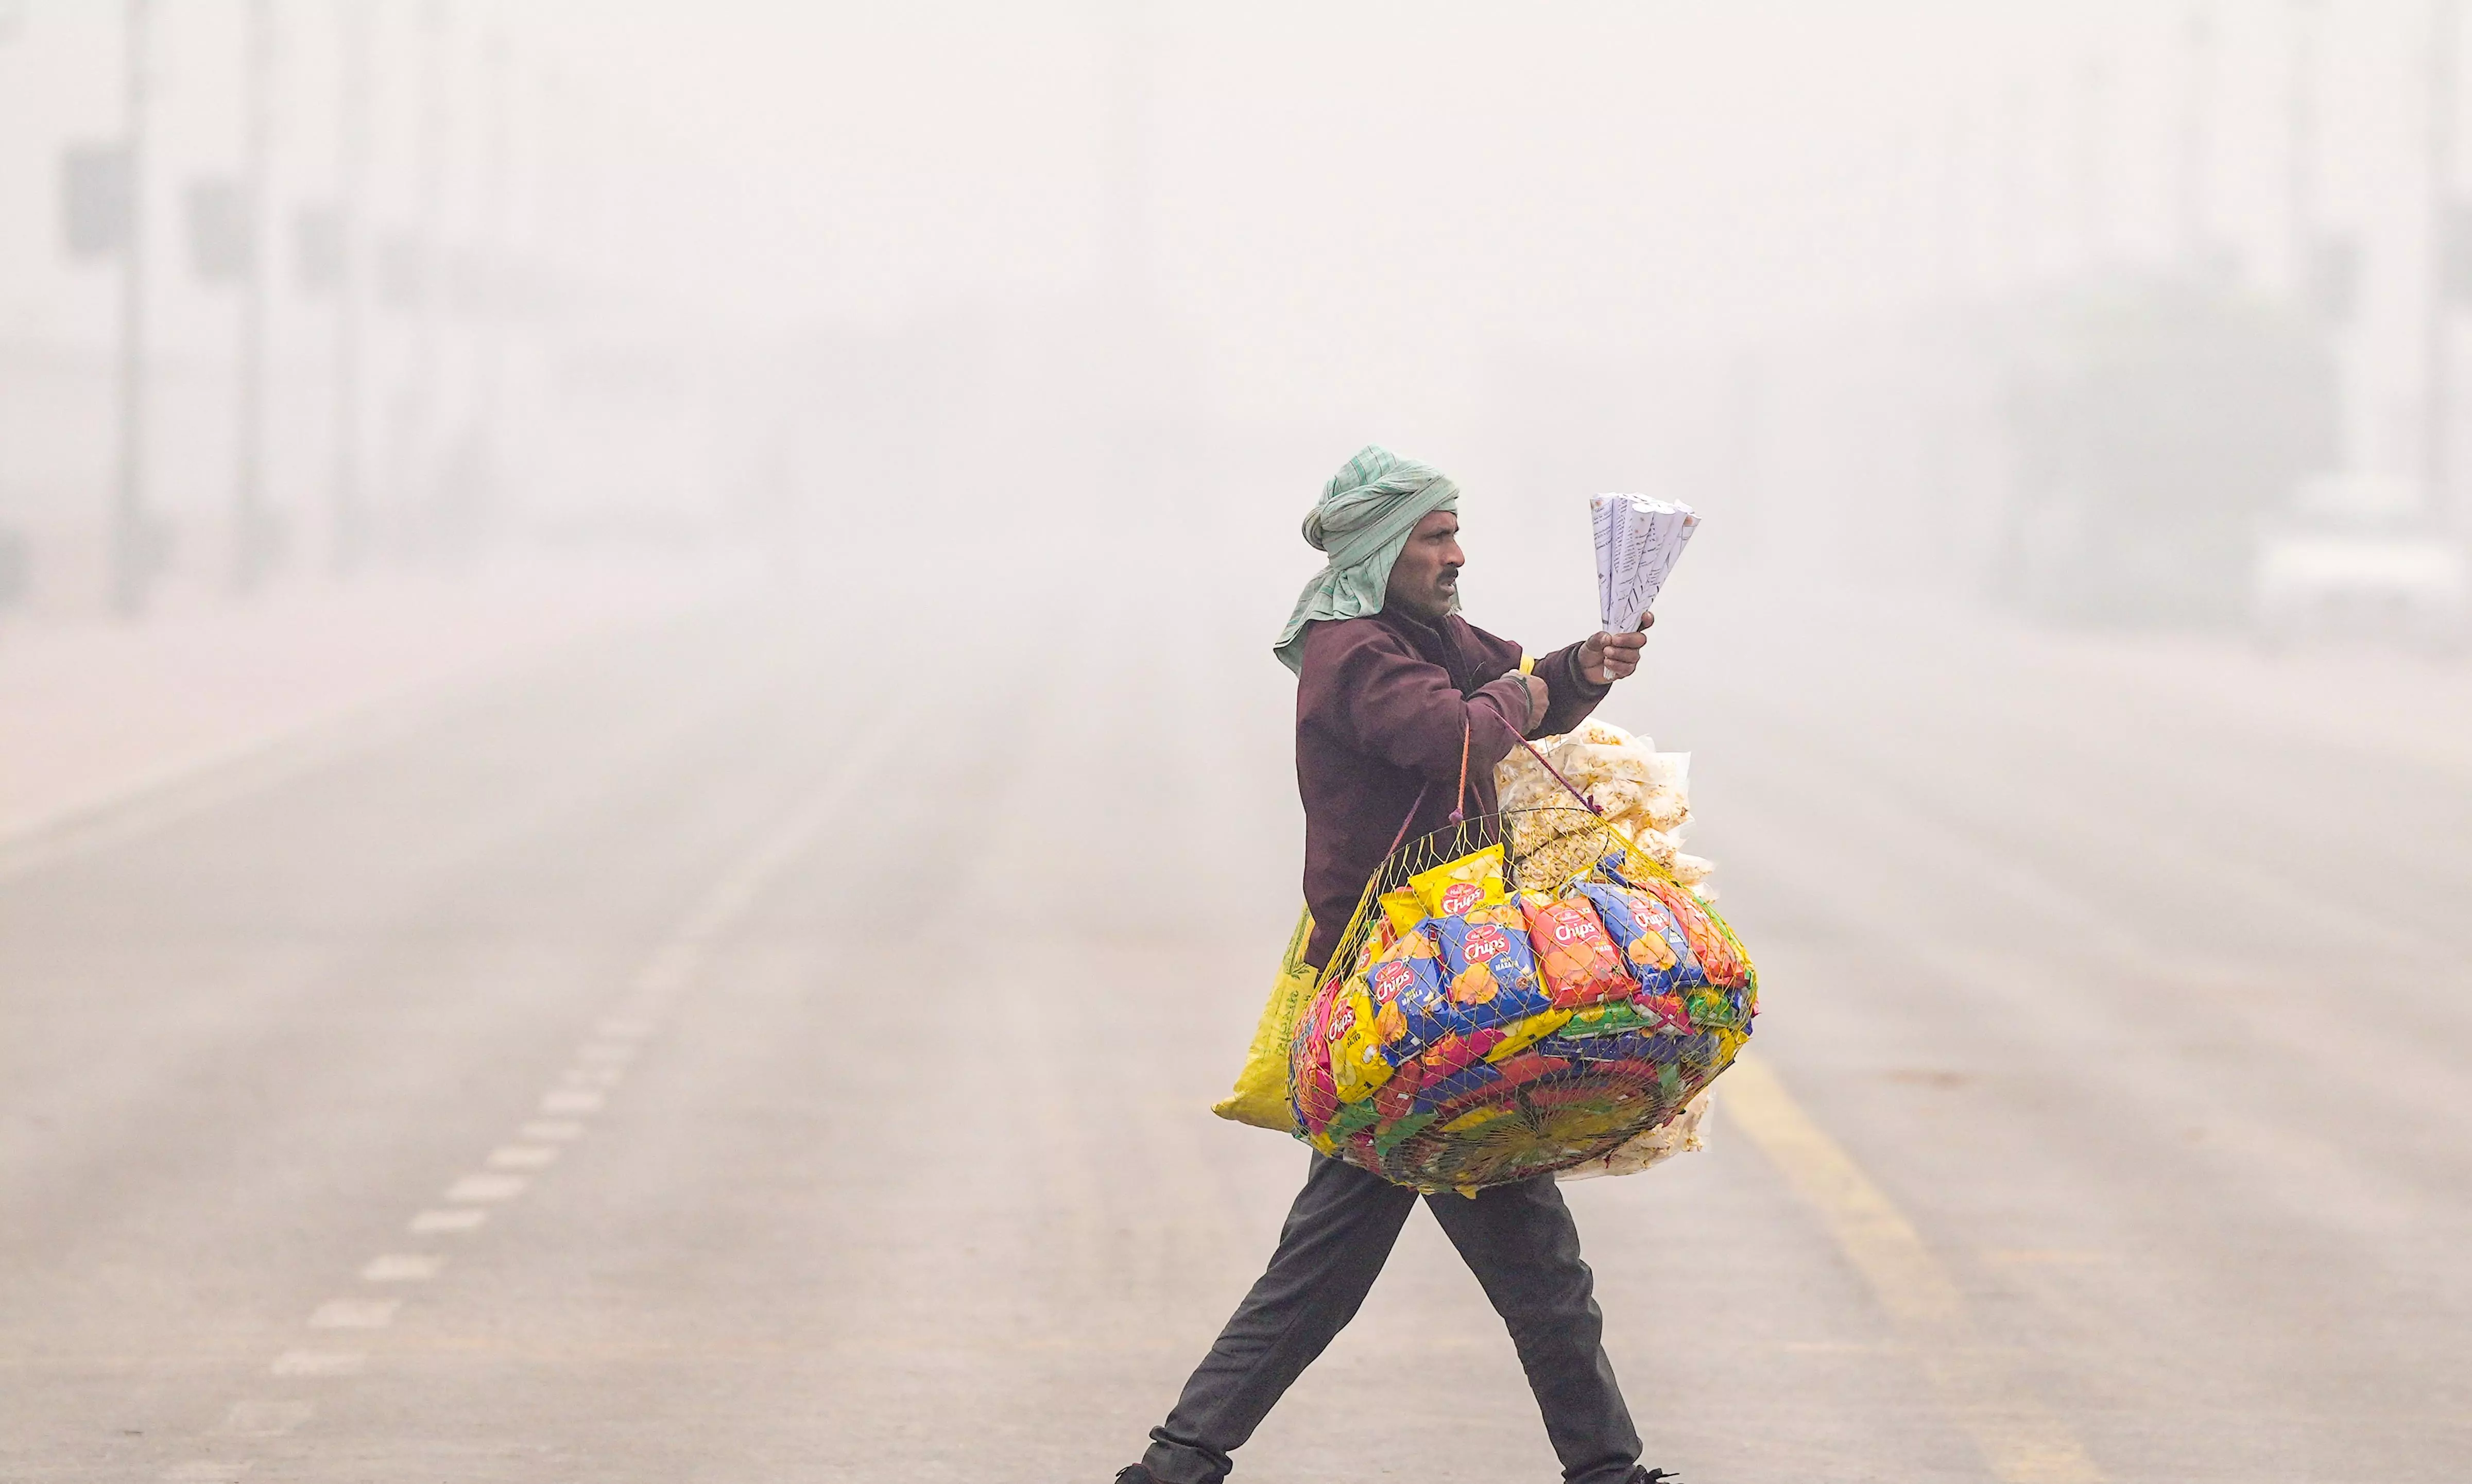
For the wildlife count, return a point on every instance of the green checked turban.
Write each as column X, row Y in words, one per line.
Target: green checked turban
column 1362, row 521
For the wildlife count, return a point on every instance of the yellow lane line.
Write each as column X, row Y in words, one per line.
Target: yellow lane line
column 2020, row 1438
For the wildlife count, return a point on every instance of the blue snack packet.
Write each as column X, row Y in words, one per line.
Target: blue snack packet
column 1488, row 967
column 1410, row 1001
column 1654, row 948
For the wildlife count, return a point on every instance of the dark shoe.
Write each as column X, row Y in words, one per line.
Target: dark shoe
column 1643, row 1474
column 1136, row 1474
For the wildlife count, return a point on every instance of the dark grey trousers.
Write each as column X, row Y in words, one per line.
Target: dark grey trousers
column 1520, row 1243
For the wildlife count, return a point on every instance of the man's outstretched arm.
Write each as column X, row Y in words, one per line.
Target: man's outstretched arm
column 1573, row 679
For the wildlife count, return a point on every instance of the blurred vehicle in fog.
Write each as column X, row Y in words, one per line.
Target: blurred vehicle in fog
column 2358, row 556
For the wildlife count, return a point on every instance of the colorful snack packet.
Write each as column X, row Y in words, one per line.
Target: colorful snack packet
column 1314, row 1097
column 1456, row 1052
column 1451, row 888
column 1441, row 1092
column 1654, row 1014
column 1631, row 1045
column 1357, row 1065
column 1718, row 956
column 1577, row 962
column 1401, row 912
column 1408, row 994
column 1652, row 944
column 1520, row 1035
column 1377, row 942
column 1488, row 967
column 1317, row 1096
column 1397, row 1098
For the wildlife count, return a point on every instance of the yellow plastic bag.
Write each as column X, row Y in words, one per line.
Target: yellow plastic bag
column 1261, row 1093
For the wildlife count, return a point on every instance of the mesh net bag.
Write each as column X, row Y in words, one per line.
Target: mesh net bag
column 1518, row 994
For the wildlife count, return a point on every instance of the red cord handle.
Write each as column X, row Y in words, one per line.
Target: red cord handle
column 1558, row 776
column 1459, row 806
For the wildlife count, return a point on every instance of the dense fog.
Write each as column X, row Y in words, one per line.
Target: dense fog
column 2078, row 309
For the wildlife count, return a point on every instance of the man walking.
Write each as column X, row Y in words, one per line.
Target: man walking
column 1393, row 690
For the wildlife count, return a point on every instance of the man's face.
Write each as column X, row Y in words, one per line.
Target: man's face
column 1427, row 574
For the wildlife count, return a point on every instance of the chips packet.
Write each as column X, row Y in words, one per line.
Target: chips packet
column 1577, row 962
column 1401, row 912
column 1377, row 942
column 1652, row 944
column 1455, row 1052
column 1451, row 888
column 1357, row 1065
column 1488, row 967
column 1718, row 956
column 1408, row 994
column 1439, row 1094
column 1316, row 1097
column 1397, row 1098
column 1651, row 1013
column 1520, row 1035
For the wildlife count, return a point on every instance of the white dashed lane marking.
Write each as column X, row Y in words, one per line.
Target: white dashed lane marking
column 354, row 1314
column 602, row 1063
column 429, row 1222
column 486, row 1188
column 522, row 1156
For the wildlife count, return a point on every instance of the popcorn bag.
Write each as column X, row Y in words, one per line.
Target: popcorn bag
column 1542, row 990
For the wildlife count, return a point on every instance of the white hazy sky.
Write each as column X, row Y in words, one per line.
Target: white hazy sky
column 1357, row 190
column 1353, row 212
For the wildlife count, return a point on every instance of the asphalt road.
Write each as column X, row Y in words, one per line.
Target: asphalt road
column 759, row 1050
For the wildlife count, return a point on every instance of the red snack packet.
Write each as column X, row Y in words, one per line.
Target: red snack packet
column 1580, row 965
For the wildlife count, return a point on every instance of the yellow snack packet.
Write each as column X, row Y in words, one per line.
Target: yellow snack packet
column 1451, row 888
column 1520, row 1035
column 1401, row 909
column 1358, row 1069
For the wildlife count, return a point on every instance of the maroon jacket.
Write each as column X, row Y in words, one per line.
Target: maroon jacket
column 1380, row 707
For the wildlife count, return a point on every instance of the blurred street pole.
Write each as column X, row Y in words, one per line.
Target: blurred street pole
column 2438, row 350
column 347, row 521
column 132, row 554
column 253, row 549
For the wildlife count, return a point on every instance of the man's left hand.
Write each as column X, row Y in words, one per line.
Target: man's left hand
column 1610, row 657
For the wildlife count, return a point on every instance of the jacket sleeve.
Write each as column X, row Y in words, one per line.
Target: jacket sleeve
column 1391, row 702
column 1569, row 697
